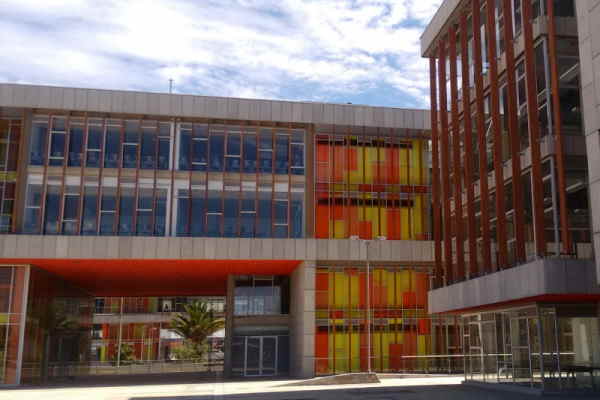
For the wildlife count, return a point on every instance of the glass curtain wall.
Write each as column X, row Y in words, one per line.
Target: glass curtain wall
column 371, row 183
column 108, row 176
column 10, row 133
column 554, row 347
column 404, row 338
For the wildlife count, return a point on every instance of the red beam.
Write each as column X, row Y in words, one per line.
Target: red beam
column 435, row 174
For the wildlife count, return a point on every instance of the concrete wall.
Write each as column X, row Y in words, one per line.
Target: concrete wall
column 29, row 247
column 177, row 105
column 537, row 278
column 588, row 18
column 302, row 313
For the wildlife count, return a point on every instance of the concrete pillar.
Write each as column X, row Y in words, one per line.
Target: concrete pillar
column 302, row 321
column 227, row 345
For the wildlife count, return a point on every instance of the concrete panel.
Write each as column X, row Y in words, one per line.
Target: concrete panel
column 187, row 105
column 211, row 106
column 276, row 111
column 104, row 100
column 233, row 108
column 307, row 112
column 153, row 104
column 68, row 98
column 286, row 111
column 141, row 103
column 6, row 95
column 198, row 244
column 176, row 105
column 264, row 110
column 221, row 108
column 199, row 106
column 150, row 248
column 80, row 99
column 164, row 104
column 187, row 248
column 125, row 250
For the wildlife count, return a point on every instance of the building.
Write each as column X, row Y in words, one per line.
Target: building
column 118, row 208
column 512, row 181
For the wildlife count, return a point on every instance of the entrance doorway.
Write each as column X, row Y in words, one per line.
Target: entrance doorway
column 260, row 355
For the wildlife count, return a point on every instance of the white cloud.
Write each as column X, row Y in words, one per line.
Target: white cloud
column 321, row 49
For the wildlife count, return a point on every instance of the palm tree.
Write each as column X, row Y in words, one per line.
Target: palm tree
column 196, row 324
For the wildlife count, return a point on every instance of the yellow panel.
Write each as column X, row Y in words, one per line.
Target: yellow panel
column 386, row 339
column 339, row 229
column 341, row 351
column 404, row 223
column 354, row 291
column 342, row 296
column 355, row 351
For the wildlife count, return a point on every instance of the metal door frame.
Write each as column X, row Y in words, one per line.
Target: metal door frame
column 260, row 355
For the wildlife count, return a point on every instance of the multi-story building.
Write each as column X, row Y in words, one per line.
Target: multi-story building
column 118, row 208
column 511, row 206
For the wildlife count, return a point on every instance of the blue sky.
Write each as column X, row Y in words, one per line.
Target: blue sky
column 358, row 51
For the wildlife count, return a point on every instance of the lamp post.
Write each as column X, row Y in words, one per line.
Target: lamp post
column 367, row 243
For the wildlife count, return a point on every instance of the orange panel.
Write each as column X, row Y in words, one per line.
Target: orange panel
column 366, row 230
column 338, row 212
column 393, row 225
column 422, row 285
column 339, row 163
column 396, row 356
column 424, row 327
column 322, row 221
column 154, row 277
column 408, row 299
column 353, row 222
column 352, row 159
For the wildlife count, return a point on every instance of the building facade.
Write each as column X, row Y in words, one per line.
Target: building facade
column 119, row 208
column 511, row 187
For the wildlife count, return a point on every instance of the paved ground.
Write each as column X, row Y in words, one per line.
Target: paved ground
column 424, row 388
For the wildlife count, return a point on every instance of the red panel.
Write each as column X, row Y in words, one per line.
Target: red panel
column 409, row 299
column 155, row 277
column 353, row 221
column 338, row 212
column 424, row 326
column 396, row 356
column 393, row 227
column 322, row 352
column 339, row 163
column 352, row 159
column 366, row 230
column 322, row 221
column 422, row 285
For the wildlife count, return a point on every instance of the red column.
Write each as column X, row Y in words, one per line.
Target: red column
column 459, row 271
column 483, row 176
column 468, row 139
column 18, row 306
column 534, row 132
column 560, row 158
column 435, row 189
column 513, row 131
column 445, row 167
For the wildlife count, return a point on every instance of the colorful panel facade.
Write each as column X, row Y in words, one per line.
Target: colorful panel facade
column 403, row 335
column 370, row 186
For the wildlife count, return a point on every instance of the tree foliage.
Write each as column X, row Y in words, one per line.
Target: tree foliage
column 195, row 325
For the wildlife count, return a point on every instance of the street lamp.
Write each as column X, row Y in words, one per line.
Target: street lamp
column 367, row 243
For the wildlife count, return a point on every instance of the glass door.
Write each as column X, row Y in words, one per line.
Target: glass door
column 260, row 356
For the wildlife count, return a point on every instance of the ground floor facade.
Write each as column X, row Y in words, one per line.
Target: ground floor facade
column 64, row 316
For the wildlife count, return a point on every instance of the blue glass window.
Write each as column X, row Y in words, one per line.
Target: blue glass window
column 144, row 212
column 52, row 210
column 31, row 223
column 164, row 145
column 200, row 147
column 281, row 154
column 197, row 223
column 160, row 213
column 230, row 228
column 185, row 144
column 214, row 214
column 75, row 145
column 130, row 145
column 57, row 148
column 111, row 150
column 263, row 227
column 234, row 148
column 90, row 207
column 297, row 153
column 296, row 212
column 108, row 209
column 217, row 151
column 94, row 145
column 39, row 135
column 250, row 153
column 70, row 212
column 126, row 210
column 265, row 151
column 280, row 219
column 148, row 150
column 183, row 213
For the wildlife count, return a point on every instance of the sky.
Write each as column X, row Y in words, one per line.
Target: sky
column 341, row 51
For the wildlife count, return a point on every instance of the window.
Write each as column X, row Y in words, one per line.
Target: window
column 297, row 153
column 183, row 212
column 131, row 143
column 185, row 146
column 90, row 209
column 230, row 217
column 263, row 227
column 248, row 212
column 94, row 143
column 70, row 225
column 108, row 209
column 57, row 142
column 517, row 17
column 484, row 42
column 126, row 211
column 281, row 153
column 214, row 214
column 217, row 148
column 296, row 212
column 249, row 140
column 75, row 143
column 144, row 212
column 199, row 148
column 33, row 203
column 164, row 145
column 52, row 209
column 234, row 148
column 113, row 143
column 261, row 295
column 265, row 151
column 39, row 136
column 148, row 156
column 198, row 212
column 160, row 212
